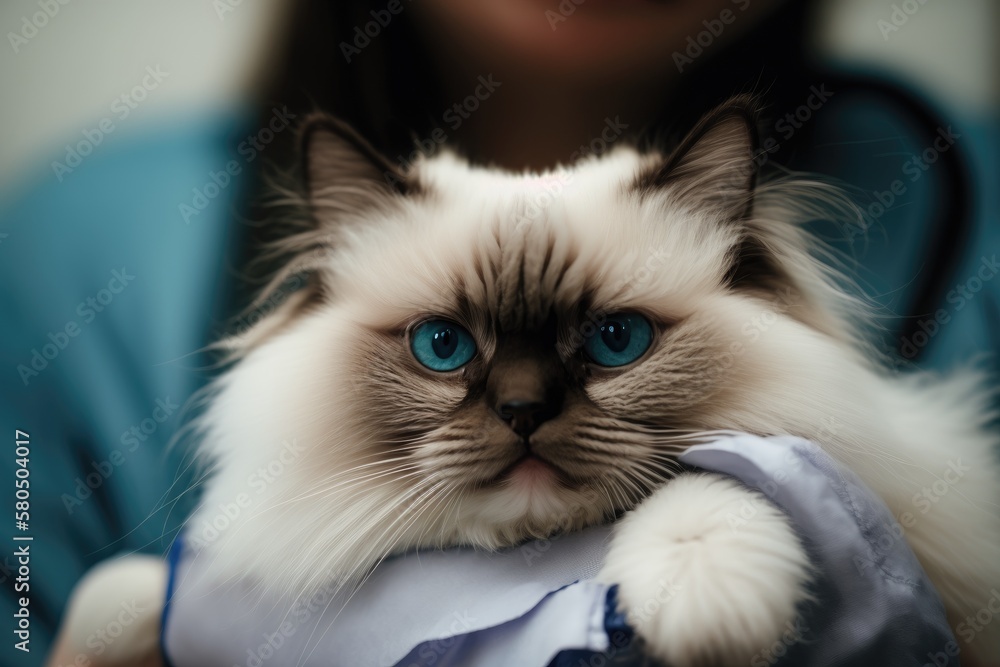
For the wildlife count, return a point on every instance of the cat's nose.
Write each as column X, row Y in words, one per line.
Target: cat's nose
column 526, row 382
column 524, row 416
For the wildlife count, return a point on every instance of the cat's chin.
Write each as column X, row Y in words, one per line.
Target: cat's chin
column 530, row 500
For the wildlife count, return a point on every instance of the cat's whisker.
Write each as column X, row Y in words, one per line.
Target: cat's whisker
column 356, row 489
column 386, row 551
column 418, row 489
column 378, row 546
column 351, row 481
column 633, row 484
column 325, row 488
column 356, row 587
column 452, row 493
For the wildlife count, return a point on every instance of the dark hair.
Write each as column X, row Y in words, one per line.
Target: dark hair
column 389, row 93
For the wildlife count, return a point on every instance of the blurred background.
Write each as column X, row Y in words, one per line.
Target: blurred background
column 219, row 54
column 133, row 134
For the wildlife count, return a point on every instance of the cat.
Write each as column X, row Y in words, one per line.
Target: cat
column 481, row 358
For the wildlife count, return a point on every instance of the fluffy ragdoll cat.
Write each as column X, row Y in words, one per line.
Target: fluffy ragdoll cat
column 482, row 358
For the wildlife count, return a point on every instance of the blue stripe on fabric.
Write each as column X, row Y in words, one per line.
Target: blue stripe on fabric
column 622, row 651
column 173, row 559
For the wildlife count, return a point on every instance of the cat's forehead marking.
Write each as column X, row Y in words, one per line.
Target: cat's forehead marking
column 524, row 264
column 508, row 251
column 541, row 248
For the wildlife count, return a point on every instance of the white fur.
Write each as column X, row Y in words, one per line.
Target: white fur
column 695, row 588
column 113, row 617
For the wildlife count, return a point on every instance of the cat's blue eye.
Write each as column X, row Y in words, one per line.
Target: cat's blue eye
column 441, row 345
column 621, row 339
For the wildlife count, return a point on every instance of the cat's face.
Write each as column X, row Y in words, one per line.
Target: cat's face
column 489, row 357
column 529, row 364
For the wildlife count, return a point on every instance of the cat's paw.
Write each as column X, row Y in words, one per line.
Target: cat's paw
column 709, row 572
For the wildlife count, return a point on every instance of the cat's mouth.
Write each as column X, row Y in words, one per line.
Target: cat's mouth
column 533, row 471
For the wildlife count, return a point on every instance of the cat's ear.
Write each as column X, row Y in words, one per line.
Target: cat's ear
column 342, row 171
column 714, row 166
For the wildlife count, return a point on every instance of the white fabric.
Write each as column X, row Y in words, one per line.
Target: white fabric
column 407, row 602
